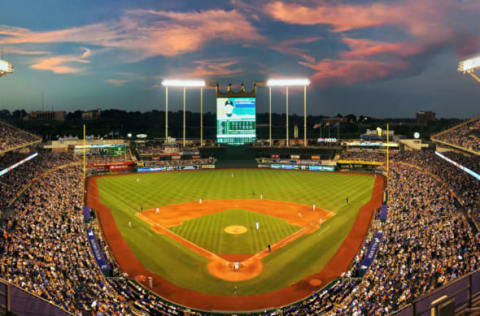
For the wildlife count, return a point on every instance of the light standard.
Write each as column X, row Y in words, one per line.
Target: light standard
column 469, row 65
column 289, row 83
column 184, row 84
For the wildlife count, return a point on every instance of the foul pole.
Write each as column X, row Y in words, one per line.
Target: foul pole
column 84, row 152
column 387, row 152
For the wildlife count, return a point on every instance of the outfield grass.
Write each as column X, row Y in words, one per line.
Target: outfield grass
column 208, row 231
column 125, row 196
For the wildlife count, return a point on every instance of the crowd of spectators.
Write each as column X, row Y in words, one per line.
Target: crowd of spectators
column 469, row 161
column 365, row 155
column 44, row 248
column 105, row 159
column 12, row 137
column 426, row 243
column 179, row 162
column 12, row 182
column 307, row 162
column 464, row 135
column 464, row 186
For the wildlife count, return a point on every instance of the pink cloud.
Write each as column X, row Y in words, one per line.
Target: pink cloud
column 147, row 33
column 362, row 48
column 416, row 17
column 288, row 47
column 21, row 51
column 63, row 64
column 215, row 68
column 429, row 26
column 331, row 72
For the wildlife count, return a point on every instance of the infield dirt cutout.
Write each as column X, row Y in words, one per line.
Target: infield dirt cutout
column 251, row 266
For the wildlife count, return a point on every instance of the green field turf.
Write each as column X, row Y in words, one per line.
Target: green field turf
column 125, row 196
column 208, row 231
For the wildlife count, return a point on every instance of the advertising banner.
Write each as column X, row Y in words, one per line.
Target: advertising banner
column 371, row 252
column 86, row 213
column 321, row 168
column 383, row 213
column 97, row 251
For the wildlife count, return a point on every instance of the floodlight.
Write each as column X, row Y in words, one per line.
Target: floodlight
column 183, row 83
column 5, row 67
column 469, row 65
column 288, row 82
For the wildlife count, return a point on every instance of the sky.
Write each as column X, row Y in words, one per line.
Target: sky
column 384, row 58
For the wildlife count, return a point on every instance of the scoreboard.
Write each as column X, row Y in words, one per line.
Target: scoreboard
column 236, row 121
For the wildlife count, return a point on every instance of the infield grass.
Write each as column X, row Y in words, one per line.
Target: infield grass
column 125, row 195
column 208, row 231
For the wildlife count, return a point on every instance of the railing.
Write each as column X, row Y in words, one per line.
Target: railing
column 20, row 302
column 465, row 292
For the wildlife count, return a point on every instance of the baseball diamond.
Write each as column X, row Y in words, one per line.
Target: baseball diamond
column 213, row 255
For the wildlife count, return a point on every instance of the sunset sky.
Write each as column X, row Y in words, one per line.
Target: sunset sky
column 385, row 58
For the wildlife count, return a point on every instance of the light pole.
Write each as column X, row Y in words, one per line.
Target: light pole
column 183, row 84
column 469, row 65
column 5, row 67
column 270, row 114
column 289, row 83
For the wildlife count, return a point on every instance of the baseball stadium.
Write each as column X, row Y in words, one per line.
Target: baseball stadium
column 231, row 210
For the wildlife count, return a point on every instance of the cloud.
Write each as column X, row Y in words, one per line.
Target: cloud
column 147, row 33
column 429, row 27
column 416, row 17
column 210, row 68
column 288, row 47
column 332, row 72
column 63, row 64
column 116, row 82
column 21, row 51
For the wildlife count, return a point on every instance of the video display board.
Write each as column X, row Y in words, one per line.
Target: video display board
column 236, row 121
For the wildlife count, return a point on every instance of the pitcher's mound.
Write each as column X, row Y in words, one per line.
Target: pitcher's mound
column 235, row 229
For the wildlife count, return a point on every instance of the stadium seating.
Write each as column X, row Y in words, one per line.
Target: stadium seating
column 465, row 135
column 427, row 242
column 12, row 138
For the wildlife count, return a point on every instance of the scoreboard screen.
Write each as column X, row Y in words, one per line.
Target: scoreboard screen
column 236, row 121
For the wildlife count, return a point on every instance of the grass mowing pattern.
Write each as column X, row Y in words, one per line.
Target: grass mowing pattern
column 178, row 264
column 208, row 231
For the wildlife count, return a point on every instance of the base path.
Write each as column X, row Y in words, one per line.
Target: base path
column 171, row 215
column 338, row 264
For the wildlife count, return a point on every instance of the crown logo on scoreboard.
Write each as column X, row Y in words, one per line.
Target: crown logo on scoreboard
column 242, row 93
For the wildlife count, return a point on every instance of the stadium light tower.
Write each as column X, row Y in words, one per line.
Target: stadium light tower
column 183, row 84
column 289, row 83
column 469, row 65
column 5, row 67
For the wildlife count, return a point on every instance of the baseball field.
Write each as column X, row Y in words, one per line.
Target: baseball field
column 204, row 235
